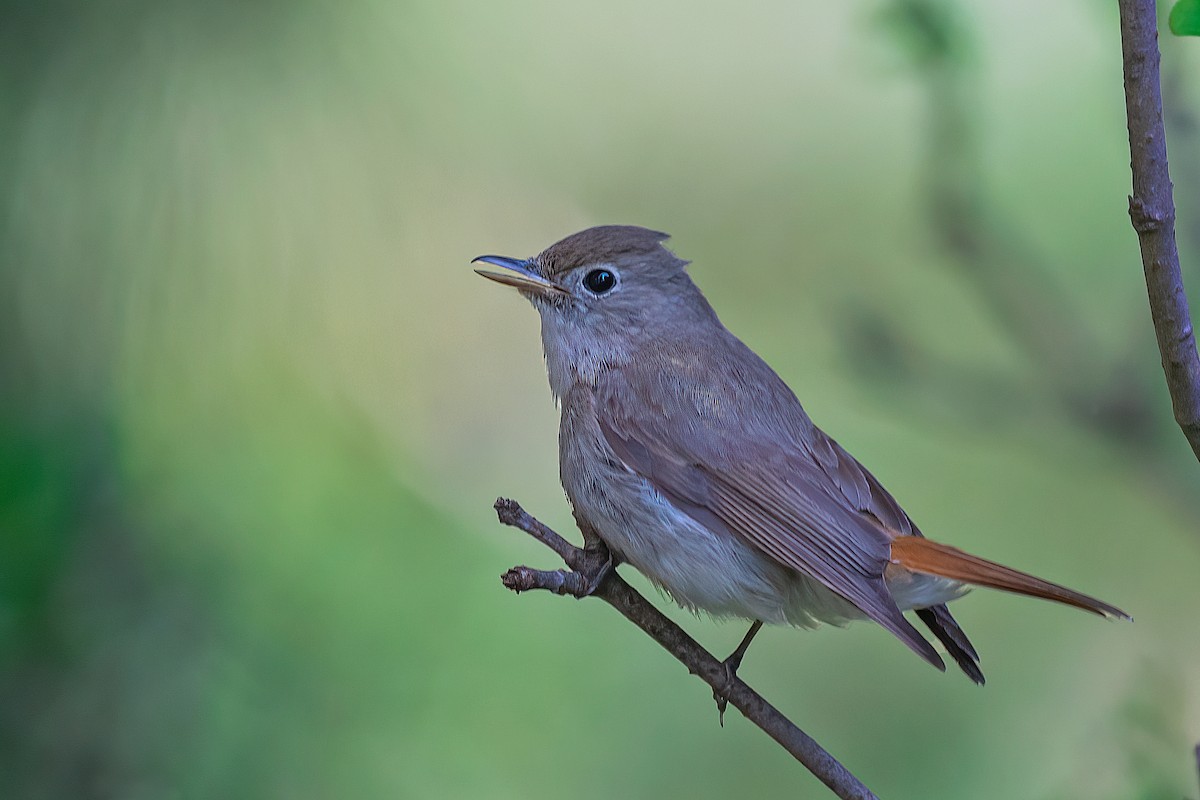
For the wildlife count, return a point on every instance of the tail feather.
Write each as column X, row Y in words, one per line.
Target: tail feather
column 932, row 558
column 946, row 629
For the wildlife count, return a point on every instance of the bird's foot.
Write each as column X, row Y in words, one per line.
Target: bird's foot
column 721, row 696
column 731, row 664
column 598, row 563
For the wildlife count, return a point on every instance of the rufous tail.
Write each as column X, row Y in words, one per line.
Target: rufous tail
column 932, row 558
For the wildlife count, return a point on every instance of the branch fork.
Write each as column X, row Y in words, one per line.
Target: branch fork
column 592, row 574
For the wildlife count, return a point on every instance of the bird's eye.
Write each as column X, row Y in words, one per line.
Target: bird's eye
column 599, row 281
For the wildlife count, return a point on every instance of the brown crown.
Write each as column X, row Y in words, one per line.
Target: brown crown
column 603, row 244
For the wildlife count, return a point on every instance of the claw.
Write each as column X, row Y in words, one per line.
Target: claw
column 731, row 665
column 721, row 699
column 596, row 577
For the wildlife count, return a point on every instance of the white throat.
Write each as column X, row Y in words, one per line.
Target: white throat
column 573, row 354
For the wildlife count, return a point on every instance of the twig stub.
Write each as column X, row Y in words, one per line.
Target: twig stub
column 592, row 573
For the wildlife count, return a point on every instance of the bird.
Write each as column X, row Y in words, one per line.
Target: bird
column 695, row 463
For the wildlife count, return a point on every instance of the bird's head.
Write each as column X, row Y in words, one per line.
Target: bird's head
column 604, row 292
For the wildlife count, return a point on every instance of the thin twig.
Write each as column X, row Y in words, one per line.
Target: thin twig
column 1152, row 210
column 620, row 595
column 1198, row 761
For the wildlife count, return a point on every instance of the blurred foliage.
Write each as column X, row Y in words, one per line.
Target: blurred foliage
column 1185, row 18
column 254, row 406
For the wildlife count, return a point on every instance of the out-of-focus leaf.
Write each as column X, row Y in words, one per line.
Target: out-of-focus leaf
column 1185, row 18
column 927, row 30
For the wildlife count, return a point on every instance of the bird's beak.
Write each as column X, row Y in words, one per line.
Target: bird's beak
column 520, row 276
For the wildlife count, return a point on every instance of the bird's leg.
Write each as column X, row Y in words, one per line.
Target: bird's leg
column 599, row 558
column 600, row 563
column 731, row 665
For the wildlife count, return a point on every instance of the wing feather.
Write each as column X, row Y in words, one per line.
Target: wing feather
column 673, row 427
column 867, row 494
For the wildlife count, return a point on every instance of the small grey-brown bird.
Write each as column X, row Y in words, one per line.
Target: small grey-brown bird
column 695, row 463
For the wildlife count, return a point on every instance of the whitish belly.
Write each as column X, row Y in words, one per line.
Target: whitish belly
column 712, row 571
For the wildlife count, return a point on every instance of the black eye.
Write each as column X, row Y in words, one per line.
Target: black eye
column 599, row 281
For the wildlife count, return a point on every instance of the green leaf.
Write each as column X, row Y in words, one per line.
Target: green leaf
column 1185, row 18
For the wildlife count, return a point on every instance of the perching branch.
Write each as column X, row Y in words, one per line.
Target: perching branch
column 590, row 575
column 1152, row 210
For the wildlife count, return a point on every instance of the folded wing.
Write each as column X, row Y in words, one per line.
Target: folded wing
column 729, row 448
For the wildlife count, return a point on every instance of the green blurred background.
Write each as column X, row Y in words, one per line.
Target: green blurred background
column 255, row 406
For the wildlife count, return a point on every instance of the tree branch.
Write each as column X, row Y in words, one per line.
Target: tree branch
column 1152, row 210
column 589, row 564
